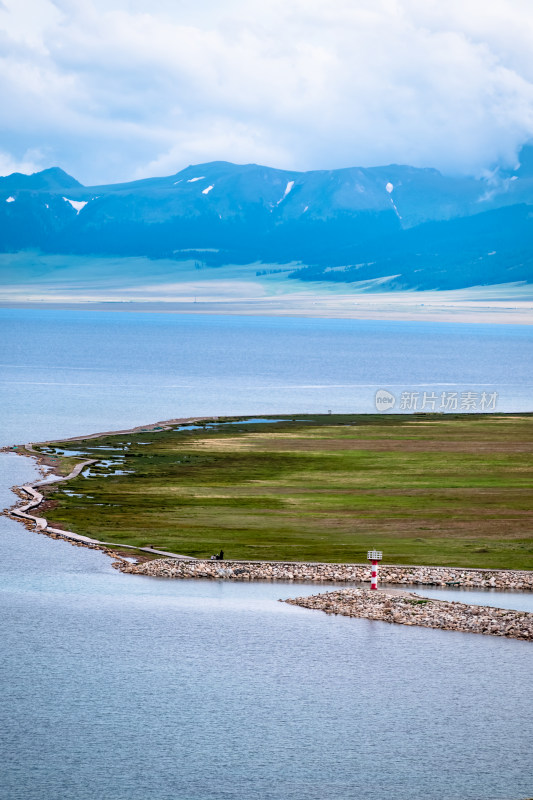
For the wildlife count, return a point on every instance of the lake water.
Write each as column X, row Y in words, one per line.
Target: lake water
column 126, row 688
column 75, row 372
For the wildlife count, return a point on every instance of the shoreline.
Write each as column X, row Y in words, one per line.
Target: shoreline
column 40, row 524
column 355, row 307
column 152, row 426
column 175, row 565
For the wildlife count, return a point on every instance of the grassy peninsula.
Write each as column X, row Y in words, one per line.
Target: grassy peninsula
column 427, row 489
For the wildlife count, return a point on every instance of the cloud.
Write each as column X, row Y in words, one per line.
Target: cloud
column 112, row 90
column 32, row 161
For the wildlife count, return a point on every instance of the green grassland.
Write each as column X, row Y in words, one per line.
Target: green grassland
column 425, row 489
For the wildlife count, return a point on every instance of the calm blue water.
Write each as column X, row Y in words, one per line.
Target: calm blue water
column 83, row 371
column 127, row 688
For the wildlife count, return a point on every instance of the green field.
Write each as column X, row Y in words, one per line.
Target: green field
column 425, row 489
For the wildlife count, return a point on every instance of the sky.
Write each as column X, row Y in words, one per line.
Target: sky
column 114, row 90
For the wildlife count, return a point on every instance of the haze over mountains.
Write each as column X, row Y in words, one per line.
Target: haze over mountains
column 409, row 227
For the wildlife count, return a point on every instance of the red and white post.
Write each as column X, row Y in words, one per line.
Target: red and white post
column 375, row 557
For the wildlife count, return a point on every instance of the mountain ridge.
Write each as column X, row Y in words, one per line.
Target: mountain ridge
column 393, row 220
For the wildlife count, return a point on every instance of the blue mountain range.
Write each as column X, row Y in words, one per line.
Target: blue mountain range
column 414, row 228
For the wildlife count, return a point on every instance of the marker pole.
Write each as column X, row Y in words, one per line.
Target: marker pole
column 375, row 557
column 374, row 579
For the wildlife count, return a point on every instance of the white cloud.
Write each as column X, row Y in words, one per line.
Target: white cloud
column 209, row 138
column 31, row 161
column 112, row 91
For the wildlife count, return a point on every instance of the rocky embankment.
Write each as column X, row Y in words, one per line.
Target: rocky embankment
column 332, row 573
column 408, row 608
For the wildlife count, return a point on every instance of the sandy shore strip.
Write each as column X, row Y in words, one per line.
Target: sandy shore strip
column 163, row 425
column 506, row 304
column 409, row 608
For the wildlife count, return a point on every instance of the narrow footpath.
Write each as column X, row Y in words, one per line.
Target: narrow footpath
column 41, row 523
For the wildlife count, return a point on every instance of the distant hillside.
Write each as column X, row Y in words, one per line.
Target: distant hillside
column 415, row 227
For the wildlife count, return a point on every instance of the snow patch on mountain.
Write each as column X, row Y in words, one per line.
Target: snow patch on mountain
column 288, row 188
column 193, row 180
column 395, row 209
column 208, row 189
column 10, row 200
column 389, row 187
column 76, row 204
